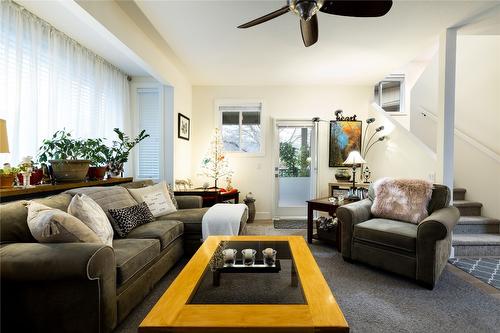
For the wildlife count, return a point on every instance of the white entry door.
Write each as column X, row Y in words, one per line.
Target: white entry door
column 294, row 168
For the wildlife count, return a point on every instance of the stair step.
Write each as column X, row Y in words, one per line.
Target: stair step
column 477, row 225
column 459, row 193
column 476, row 244
column 468, row 208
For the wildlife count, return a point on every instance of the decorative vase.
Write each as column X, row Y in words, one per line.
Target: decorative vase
column 342, row 175
column 115, row 169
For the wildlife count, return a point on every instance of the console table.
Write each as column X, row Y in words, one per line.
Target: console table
column 211, row 196
column 37, row 191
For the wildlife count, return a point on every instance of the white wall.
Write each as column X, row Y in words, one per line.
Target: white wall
column 403, row 155
column 477, row 116
column 255, row 174
column 154, row 58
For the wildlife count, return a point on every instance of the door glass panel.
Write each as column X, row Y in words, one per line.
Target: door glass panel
column 294, row 170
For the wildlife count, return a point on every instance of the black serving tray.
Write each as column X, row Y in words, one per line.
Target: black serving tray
column 258, row 267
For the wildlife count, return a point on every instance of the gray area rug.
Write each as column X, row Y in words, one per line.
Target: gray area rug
column 376, row 301
column 485, row 269
column 290, row 224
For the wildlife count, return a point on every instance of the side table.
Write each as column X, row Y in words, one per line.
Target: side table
column 322, row 205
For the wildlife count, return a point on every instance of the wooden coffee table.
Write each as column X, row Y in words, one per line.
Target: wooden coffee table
column 180, row 308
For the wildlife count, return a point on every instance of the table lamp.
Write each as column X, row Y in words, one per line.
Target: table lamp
column 353, row 159
column 4, row 140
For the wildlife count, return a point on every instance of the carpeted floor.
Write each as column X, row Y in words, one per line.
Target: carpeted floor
column 375, row 301
column 290, row 224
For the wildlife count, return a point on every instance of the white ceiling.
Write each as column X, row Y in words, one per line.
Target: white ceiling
column 349, row 51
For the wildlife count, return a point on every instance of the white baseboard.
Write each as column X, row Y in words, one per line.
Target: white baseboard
column 262, row 215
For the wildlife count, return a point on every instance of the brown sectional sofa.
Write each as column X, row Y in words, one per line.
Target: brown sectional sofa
column 82, row 287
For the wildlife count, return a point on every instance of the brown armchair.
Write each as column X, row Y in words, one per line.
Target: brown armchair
column 416, row 251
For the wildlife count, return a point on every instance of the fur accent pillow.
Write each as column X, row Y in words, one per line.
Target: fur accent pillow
column 50, row 225
column 89, row 212
column 401, row 199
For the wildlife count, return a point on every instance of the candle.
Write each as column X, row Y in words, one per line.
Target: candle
column 268, row 252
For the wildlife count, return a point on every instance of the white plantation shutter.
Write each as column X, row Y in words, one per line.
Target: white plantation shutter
column 150, row 119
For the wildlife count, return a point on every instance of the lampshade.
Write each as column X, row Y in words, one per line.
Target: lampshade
column 354, row 158
column 4, row 141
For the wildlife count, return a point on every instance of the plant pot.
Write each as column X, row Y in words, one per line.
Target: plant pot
column 69, row 170
column 115, row 169
column 7, row 181
column 96, row 173
column 35, row 179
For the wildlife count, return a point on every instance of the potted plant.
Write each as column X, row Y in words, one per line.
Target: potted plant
column 65, row 155
column 29, row 166
column 119, row 152
column 7, row 175
column 96, row 152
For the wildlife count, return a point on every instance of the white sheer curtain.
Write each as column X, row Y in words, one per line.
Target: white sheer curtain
column 49, row 82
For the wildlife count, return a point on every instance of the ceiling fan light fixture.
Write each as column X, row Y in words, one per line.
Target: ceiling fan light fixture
column 305, row 9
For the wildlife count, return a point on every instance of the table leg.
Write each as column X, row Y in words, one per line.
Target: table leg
column 309, row 223
column 293, row 275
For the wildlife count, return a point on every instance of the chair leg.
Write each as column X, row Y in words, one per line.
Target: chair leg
column 347, row 259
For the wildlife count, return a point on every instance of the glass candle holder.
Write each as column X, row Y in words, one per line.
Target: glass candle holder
column 269, row 256
column 248, row 256
column 229, row 256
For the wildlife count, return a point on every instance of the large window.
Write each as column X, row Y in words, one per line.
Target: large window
column 241, row 126
column 49, row 82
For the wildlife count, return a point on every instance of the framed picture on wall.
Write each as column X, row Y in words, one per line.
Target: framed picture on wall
column 345, row 136
column 183, row 124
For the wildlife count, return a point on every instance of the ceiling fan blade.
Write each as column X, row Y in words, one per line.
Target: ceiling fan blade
column 309, row 30
column 265, row 18
column 357, row 8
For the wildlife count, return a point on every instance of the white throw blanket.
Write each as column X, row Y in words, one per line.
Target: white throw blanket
column 223, row 220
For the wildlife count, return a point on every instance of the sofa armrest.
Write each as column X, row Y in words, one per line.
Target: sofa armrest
column 349, row 215
column 439, row 224
column 189, row 201
column 39, row 280
column 51, row 261
column 434, row 244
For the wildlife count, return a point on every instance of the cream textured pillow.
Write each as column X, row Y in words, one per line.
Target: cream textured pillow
column 156, row 197
column 89, row 212
column 401, row 199
column 50, row 225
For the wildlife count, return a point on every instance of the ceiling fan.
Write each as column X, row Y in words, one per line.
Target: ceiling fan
column 307, row 11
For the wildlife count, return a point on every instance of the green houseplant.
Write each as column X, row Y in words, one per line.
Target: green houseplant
column 118, row 154
column 8, row 175
column 97, row 153
column 66, row 157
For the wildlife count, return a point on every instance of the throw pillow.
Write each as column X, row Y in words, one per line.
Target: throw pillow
column 50, row 225
column 90, row 213
column 156, row 197
column 126, row 219
column 401, row 199
column 172, row 196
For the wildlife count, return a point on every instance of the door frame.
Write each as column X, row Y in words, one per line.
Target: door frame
column 276, row 122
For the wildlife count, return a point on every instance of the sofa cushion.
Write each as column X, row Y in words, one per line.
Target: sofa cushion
column 132, row 255
column 395, row 234
column 156, row 197
column 164, row 231
column 190, row 217
column 440, row 198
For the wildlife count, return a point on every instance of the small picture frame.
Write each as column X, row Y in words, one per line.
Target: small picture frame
column 183, row 127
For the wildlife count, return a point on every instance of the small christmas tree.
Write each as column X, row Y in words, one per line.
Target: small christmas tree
column 215, row 164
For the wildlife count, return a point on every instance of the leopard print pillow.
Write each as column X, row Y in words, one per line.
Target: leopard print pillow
column 128, row 218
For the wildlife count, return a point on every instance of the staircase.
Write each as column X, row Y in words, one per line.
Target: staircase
column 474, row 235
